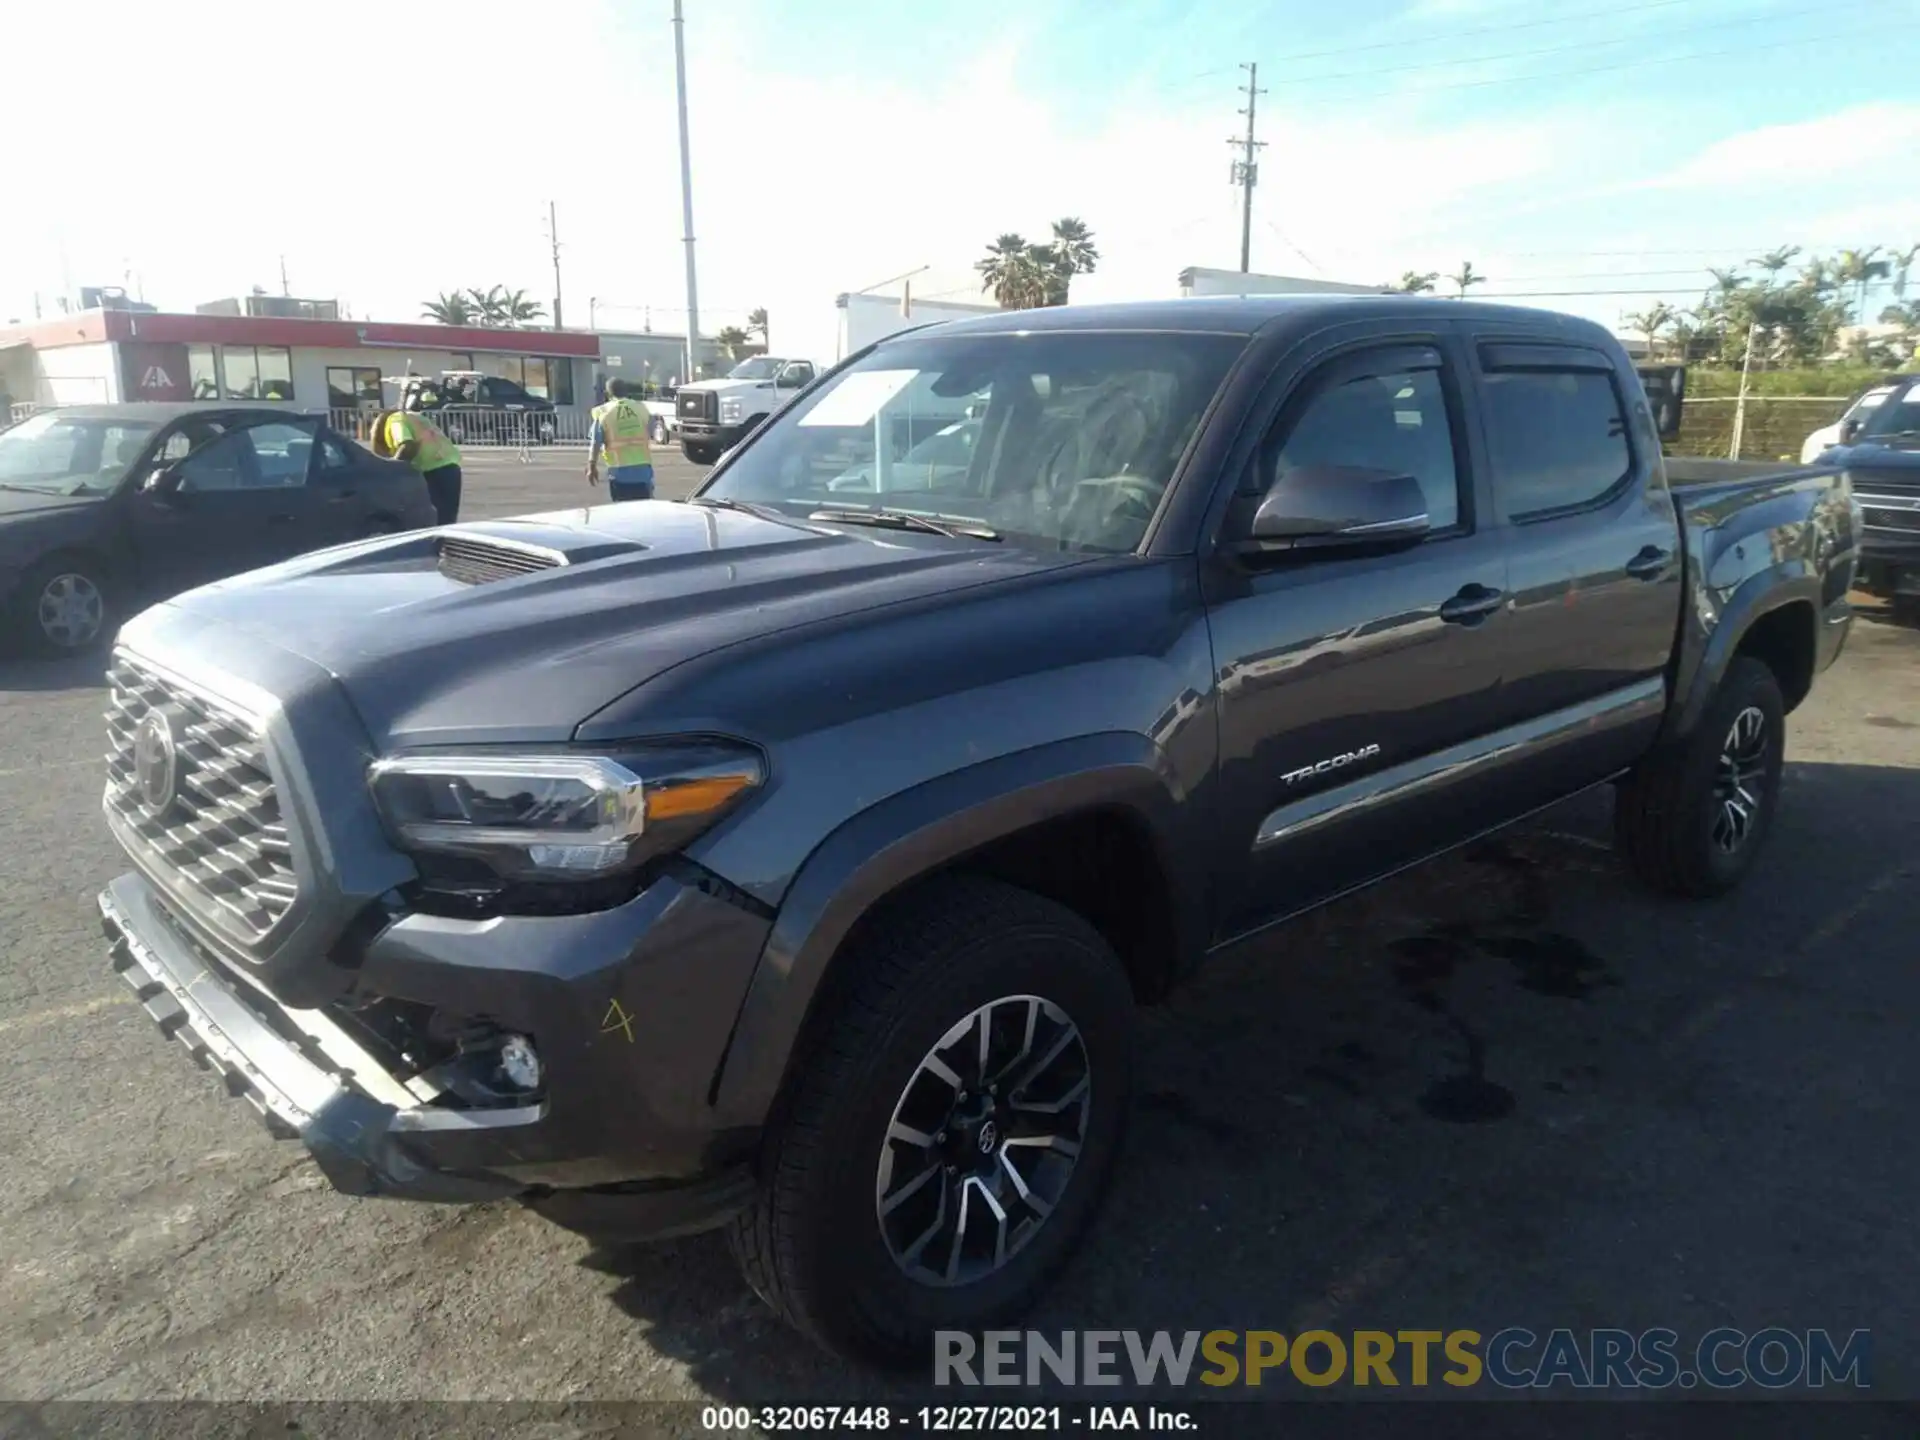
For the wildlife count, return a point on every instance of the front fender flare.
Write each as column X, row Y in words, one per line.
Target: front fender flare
column 912, row 834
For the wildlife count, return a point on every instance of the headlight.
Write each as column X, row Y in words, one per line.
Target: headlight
column 562, row 816
column 729, row 407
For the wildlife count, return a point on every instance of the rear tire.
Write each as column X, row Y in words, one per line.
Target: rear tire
column 900, row 1050
column 1692, row 818
column 66, row 605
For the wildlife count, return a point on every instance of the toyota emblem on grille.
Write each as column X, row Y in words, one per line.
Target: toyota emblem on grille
column 156, row 761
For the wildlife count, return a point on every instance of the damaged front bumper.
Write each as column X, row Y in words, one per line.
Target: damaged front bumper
column 355, row 1139
column 618, row 1142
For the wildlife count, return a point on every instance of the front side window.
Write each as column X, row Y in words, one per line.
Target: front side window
column 1558, row 437
column 1396, row 422
column 1074, row 440
column 281, row 454
column 1897, row 416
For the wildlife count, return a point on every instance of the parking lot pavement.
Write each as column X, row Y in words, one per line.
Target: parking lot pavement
column 1506, row 1088
column 498, row 482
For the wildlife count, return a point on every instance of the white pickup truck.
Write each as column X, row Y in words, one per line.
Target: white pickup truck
column 713, row 415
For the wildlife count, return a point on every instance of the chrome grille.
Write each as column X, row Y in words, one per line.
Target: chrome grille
column 221, row 836
column 699, row 404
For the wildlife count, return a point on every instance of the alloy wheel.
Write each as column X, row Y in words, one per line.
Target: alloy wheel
column 71, row 610
column 983, row 1141
column 1739, row 780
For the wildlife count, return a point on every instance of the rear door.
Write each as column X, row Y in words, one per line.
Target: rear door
column 1349, row 683
column 1594, row 558
column 349, row 490
column 243, row 501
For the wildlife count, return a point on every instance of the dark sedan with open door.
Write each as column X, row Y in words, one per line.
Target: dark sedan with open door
column 106, row 508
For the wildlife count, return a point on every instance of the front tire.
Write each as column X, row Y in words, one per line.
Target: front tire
column 65, row 606
column 657, row 431
column 1692, row 819
column 699, row 453
column 950, row 1134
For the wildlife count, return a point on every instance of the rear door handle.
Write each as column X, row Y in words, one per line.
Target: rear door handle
column 1649, row 564
column 1471, row 605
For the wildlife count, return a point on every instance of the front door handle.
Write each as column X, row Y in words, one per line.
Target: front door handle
column 340, row 497
column 1471, row 605
column 1649, row 564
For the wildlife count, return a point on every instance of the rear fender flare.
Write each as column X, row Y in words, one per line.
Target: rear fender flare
column 1757, row 596
column 913, row 834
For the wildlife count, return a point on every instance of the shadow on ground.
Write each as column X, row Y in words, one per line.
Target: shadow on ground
column 1507, row 1086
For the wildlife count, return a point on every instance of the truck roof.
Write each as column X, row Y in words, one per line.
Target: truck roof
column 1244, row 314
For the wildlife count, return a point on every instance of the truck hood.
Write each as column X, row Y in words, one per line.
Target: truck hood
column 427, row 658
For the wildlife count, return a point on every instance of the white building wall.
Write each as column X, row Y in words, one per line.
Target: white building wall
column 865, row 319
column 1199, row 280
column 75, row 375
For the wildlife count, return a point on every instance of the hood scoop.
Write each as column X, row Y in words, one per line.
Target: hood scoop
column 482, row 559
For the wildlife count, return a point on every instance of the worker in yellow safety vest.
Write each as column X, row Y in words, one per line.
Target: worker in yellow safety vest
column 620, row 432
column 408, row 436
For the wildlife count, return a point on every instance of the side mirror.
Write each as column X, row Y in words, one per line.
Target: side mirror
column 1850, row 429
column 161, row 482
column 1323, row 507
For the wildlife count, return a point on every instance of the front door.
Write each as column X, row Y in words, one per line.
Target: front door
column 1349, row 683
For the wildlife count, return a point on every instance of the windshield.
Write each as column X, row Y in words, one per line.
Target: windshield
column 758, row 368
column 64, row 455
column 1064, row 439
column 1898, row 414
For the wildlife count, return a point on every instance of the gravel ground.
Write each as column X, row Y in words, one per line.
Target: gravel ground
column 1709, row 1120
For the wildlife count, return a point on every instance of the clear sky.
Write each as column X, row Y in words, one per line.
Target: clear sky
column 392, row 150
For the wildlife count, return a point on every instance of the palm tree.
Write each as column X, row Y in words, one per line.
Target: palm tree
column 1010, row 272
column 1071, row 252
column 1415, row 282
column 1463, row 277
column 1776, row 259
column 1650, row 322
column 1860, row 268
column 518, row 309
column 450, row 307
column 757, row 325
column 1902, row 263
column 731, row 340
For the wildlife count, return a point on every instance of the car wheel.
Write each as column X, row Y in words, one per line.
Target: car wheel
column 699, row 454
column 67, row 605
column 380, row 525
column 657, row 431
column 950, row 1131
column 456, row 432
column 1691, row 819
column 548, row 432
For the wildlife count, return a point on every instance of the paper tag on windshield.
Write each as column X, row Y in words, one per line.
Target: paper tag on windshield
column 858, row 397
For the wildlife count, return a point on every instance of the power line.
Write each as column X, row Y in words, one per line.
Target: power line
column 1486, row 30
column 1622, row 65
column 1569, row 49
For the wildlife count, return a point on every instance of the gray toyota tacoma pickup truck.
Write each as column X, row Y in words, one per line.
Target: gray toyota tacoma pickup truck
column 793, row 858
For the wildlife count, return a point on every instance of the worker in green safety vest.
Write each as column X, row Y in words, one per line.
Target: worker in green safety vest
column 408, row 436
column 620, row 432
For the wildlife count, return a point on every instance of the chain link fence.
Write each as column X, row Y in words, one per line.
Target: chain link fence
column 1774, row 427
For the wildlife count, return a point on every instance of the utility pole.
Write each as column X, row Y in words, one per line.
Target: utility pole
column 285, row 289
column 1246, row 173
column 553, row 235
column 686, row 190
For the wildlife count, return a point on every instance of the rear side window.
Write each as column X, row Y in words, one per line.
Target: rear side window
column 1559, row 439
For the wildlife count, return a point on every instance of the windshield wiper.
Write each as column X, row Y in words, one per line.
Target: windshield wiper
column 722, row 502
column 907, row 520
